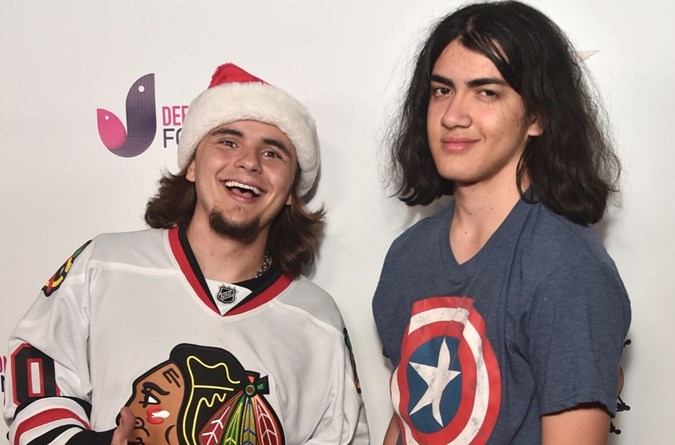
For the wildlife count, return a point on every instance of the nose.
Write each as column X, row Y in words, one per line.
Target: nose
column 249, row 159
column 457, row 112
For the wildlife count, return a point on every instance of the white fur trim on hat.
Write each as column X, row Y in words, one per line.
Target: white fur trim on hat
column 262, row 102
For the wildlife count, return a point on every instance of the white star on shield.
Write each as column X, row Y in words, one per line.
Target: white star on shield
column 437, row 378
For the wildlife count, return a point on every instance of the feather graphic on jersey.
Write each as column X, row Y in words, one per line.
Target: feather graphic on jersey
column 245, row 419
column 55, row 281
column 202, row 396
column 141, row 121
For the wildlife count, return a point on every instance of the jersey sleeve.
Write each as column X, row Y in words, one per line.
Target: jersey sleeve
column 344, row 420
column 576, row 331
column 48, row 392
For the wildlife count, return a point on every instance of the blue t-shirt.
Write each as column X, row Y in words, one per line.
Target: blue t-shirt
column 533, row 324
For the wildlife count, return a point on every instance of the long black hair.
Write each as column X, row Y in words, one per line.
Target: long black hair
column 571, row 166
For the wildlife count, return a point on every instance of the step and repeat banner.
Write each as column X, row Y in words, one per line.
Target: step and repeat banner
column 77, row 77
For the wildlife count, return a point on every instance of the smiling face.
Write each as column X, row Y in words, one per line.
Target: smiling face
column 477, row 125
column 243, row 173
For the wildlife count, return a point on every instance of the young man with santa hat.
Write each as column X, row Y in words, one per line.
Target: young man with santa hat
column 201, row 328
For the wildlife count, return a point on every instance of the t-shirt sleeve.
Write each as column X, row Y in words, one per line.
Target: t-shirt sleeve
column 576, row 332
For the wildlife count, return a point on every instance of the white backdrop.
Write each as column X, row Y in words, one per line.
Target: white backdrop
column 347, row 62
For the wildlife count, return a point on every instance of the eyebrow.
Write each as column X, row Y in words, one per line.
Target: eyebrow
column 226, row 131
column 269, row 141
column 150, row 386
column 472, row 83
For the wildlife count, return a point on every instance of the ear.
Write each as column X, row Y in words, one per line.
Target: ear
column 190, row 172
column 535, row 128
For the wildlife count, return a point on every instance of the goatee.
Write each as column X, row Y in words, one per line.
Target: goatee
column 245, row 231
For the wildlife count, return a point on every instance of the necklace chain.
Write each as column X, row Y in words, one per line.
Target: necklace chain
column 267, row 260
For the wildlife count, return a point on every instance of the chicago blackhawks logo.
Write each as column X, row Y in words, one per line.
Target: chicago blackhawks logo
column 55, row 281
column 447, row 387
column 202, row 396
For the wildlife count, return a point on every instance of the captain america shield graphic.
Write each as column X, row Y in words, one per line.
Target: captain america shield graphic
column 447, row 387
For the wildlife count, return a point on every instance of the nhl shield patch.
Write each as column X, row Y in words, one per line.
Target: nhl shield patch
column 447, row 387
column 227, row 294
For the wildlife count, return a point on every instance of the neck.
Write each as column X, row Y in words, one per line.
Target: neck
column 479, row 211
column 225, row 259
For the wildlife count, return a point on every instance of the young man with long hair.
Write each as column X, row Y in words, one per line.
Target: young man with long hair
column 503, row 315
column 259, row 354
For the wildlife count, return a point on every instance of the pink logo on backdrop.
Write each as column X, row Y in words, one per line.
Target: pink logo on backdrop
column 141, row 126
column 141, row 121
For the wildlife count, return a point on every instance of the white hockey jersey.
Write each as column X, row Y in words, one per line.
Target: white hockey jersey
column 128, row 320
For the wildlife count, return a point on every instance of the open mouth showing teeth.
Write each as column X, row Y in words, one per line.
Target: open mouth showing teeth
column 243, row 188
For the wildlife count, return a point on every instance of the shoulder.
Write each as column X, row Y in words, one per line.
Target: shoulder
column 110, row 242
column 562, row 241
column 421, row 233
column 112, row 247
column 142, row 247
column 561, row 255
column 312, row 302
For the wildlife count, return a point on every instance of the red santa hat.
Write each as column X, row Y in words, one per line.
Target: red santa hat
column 235, row 95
